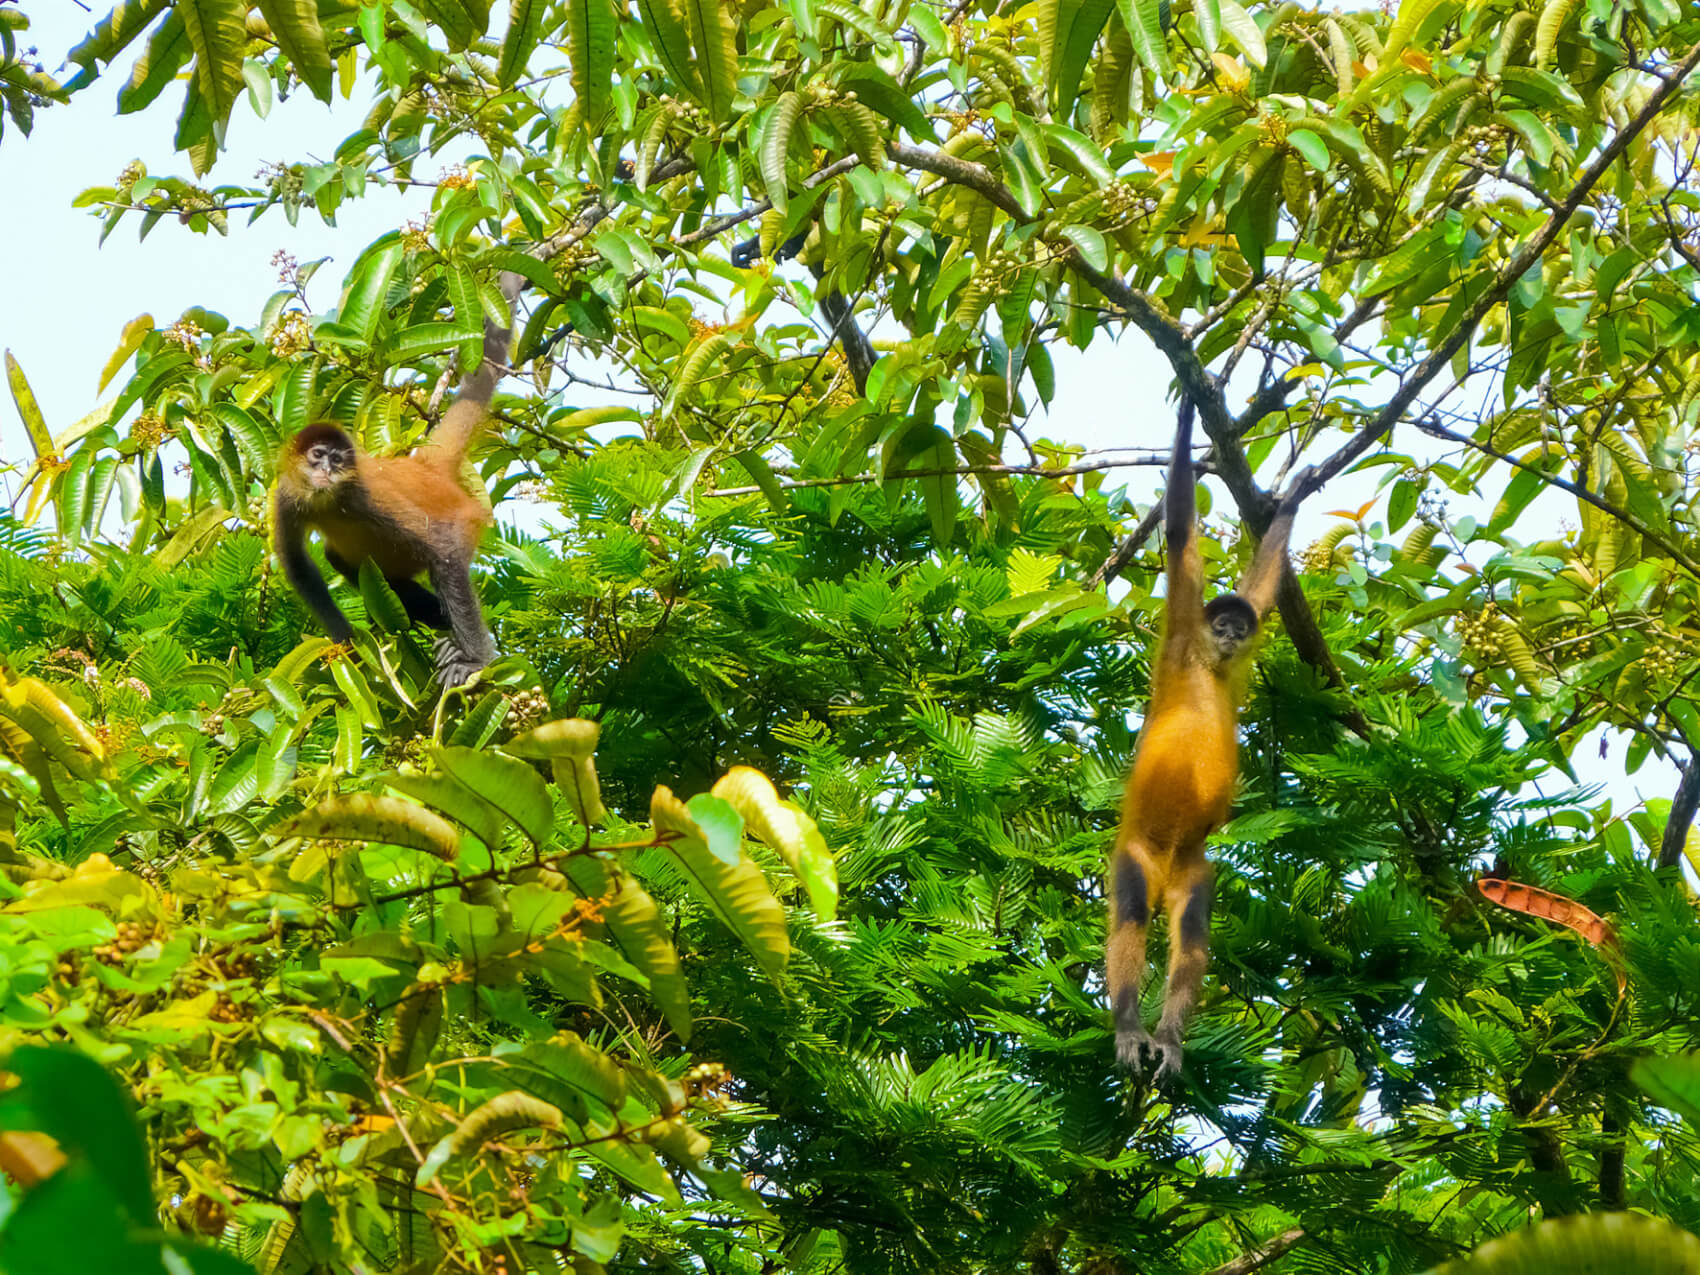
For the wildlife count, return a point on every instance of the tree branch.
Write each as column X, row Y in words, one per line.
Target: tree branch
column 1682, row 808
column 1435, row 429
column 1514, row 268
column 958, row 471
column 1123, row 553
column 1262, row 1255
column 749, row 212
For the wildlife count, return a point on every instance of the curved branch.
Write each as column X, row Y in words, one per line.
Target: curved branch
column 1435, row 429
column 1682, row 808
column 1514, row 268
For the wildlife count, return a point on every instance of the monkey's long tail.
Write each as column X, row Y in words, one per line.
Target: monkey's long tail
column 471, row 408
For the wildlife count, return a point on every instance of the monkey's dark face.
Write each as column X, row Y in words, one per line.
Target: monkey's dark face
column 1231, row 627
column 326, row 457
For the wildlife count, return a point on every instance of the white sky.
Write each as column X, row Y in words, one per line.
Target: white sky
column 65, row 302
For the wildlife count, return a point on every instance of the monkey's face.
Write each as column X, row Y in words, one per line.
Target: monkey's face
column 1230, row 630
column 326, row 462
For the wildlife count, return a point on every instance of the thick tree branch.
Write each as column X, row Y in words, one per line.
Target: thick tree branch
column 957, row 471
column 1436, row 430
column 749, row 212
column 1123, row 553
column 1262, row 1255
column 1514, row 268
column 1682, row 808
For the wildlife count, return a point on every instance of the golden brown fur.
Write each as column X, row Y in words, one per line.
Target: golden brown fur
column 1182, row 782
column 407, row 515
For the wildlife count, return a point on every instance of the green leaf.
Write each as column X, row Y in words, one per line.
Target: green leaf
column 110, row 37
column 1089, row 244
column 775, row 146
column 636, row 926
column 784, row 826
column 295, row 27
column 1083, row 150
column 1312, row 147
column 1245, row 32
column 1672, row 1082
column 217, row 32
column 591, row 27
column 510, row 787
column 1584, row 1243
column 168, row 49
column 29, row 411
column 737, row 892
column 368, row 285
column 693, row 366
column 569, row 745
column 665, row 22
column 469, row 313
column 364, row 817
column 721, row 825
column 71, row 1098
column 1068, row 29
column 457, row 802
column 872, row 85
column 426, row 338
column 525, row 29
column 716, row 56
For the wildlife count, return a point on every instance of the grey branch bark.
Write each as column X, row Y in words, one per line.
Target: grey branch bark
column 1682, row 808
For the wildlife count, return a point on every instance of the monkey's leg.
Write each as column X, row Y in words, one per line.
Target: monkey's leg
column 1189, row 953
column 468, row 648
column 1124, row 957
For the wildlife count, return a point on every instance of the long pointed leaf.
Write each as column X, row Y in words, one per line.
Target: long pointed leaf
column 717, row 57
column 217, row 31
column 737, row 892
column 525, row 29
column 295, row 27
column 590, row 48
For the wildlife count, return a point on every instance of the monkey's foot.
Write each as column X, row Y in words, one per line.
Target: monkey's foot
column 1132, row 1046
column 1139, row 1051
column 454, row 666
column 1167, row 1048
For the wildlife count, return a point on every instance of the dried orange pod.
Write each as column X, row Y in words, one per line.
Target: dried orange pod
column 1549, row 906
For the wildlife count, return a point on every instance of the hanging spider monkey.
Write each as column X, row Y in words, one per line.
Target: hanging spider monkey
column 408, row 514
column 1184, row 770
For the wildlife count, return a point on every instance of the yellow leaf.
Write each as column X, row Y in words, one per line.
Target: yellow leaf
column 135, row 331
column 1159, row 161
column 1235, row 77
column 1416, row 61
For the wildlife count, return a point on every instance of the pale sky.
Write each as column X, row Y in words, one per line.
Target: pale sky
column 66, row 302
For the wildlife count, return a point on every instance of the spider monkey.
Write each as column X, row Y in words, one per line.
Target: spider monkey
column 408, row 514
column 1183, row 775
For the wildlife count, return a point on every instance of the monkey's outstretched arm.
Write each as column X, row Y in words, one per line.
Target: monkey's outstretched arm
column 1264, row 576
column 290, row 534
column 1183, row 611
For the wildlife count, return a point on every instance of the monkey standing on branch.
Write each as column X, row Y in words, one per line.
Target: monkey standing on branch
column 1184, row 769
column 410, row 515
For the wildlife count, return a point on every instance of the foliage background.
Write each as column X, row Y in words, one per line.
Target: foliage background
column 396, row 985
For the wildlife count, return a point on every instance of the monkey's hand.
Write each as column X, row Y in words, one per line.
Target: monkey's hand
column 454, row 666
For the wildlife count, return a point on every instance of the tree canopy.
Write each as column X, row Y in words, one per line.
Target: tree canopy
column 748, row 914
